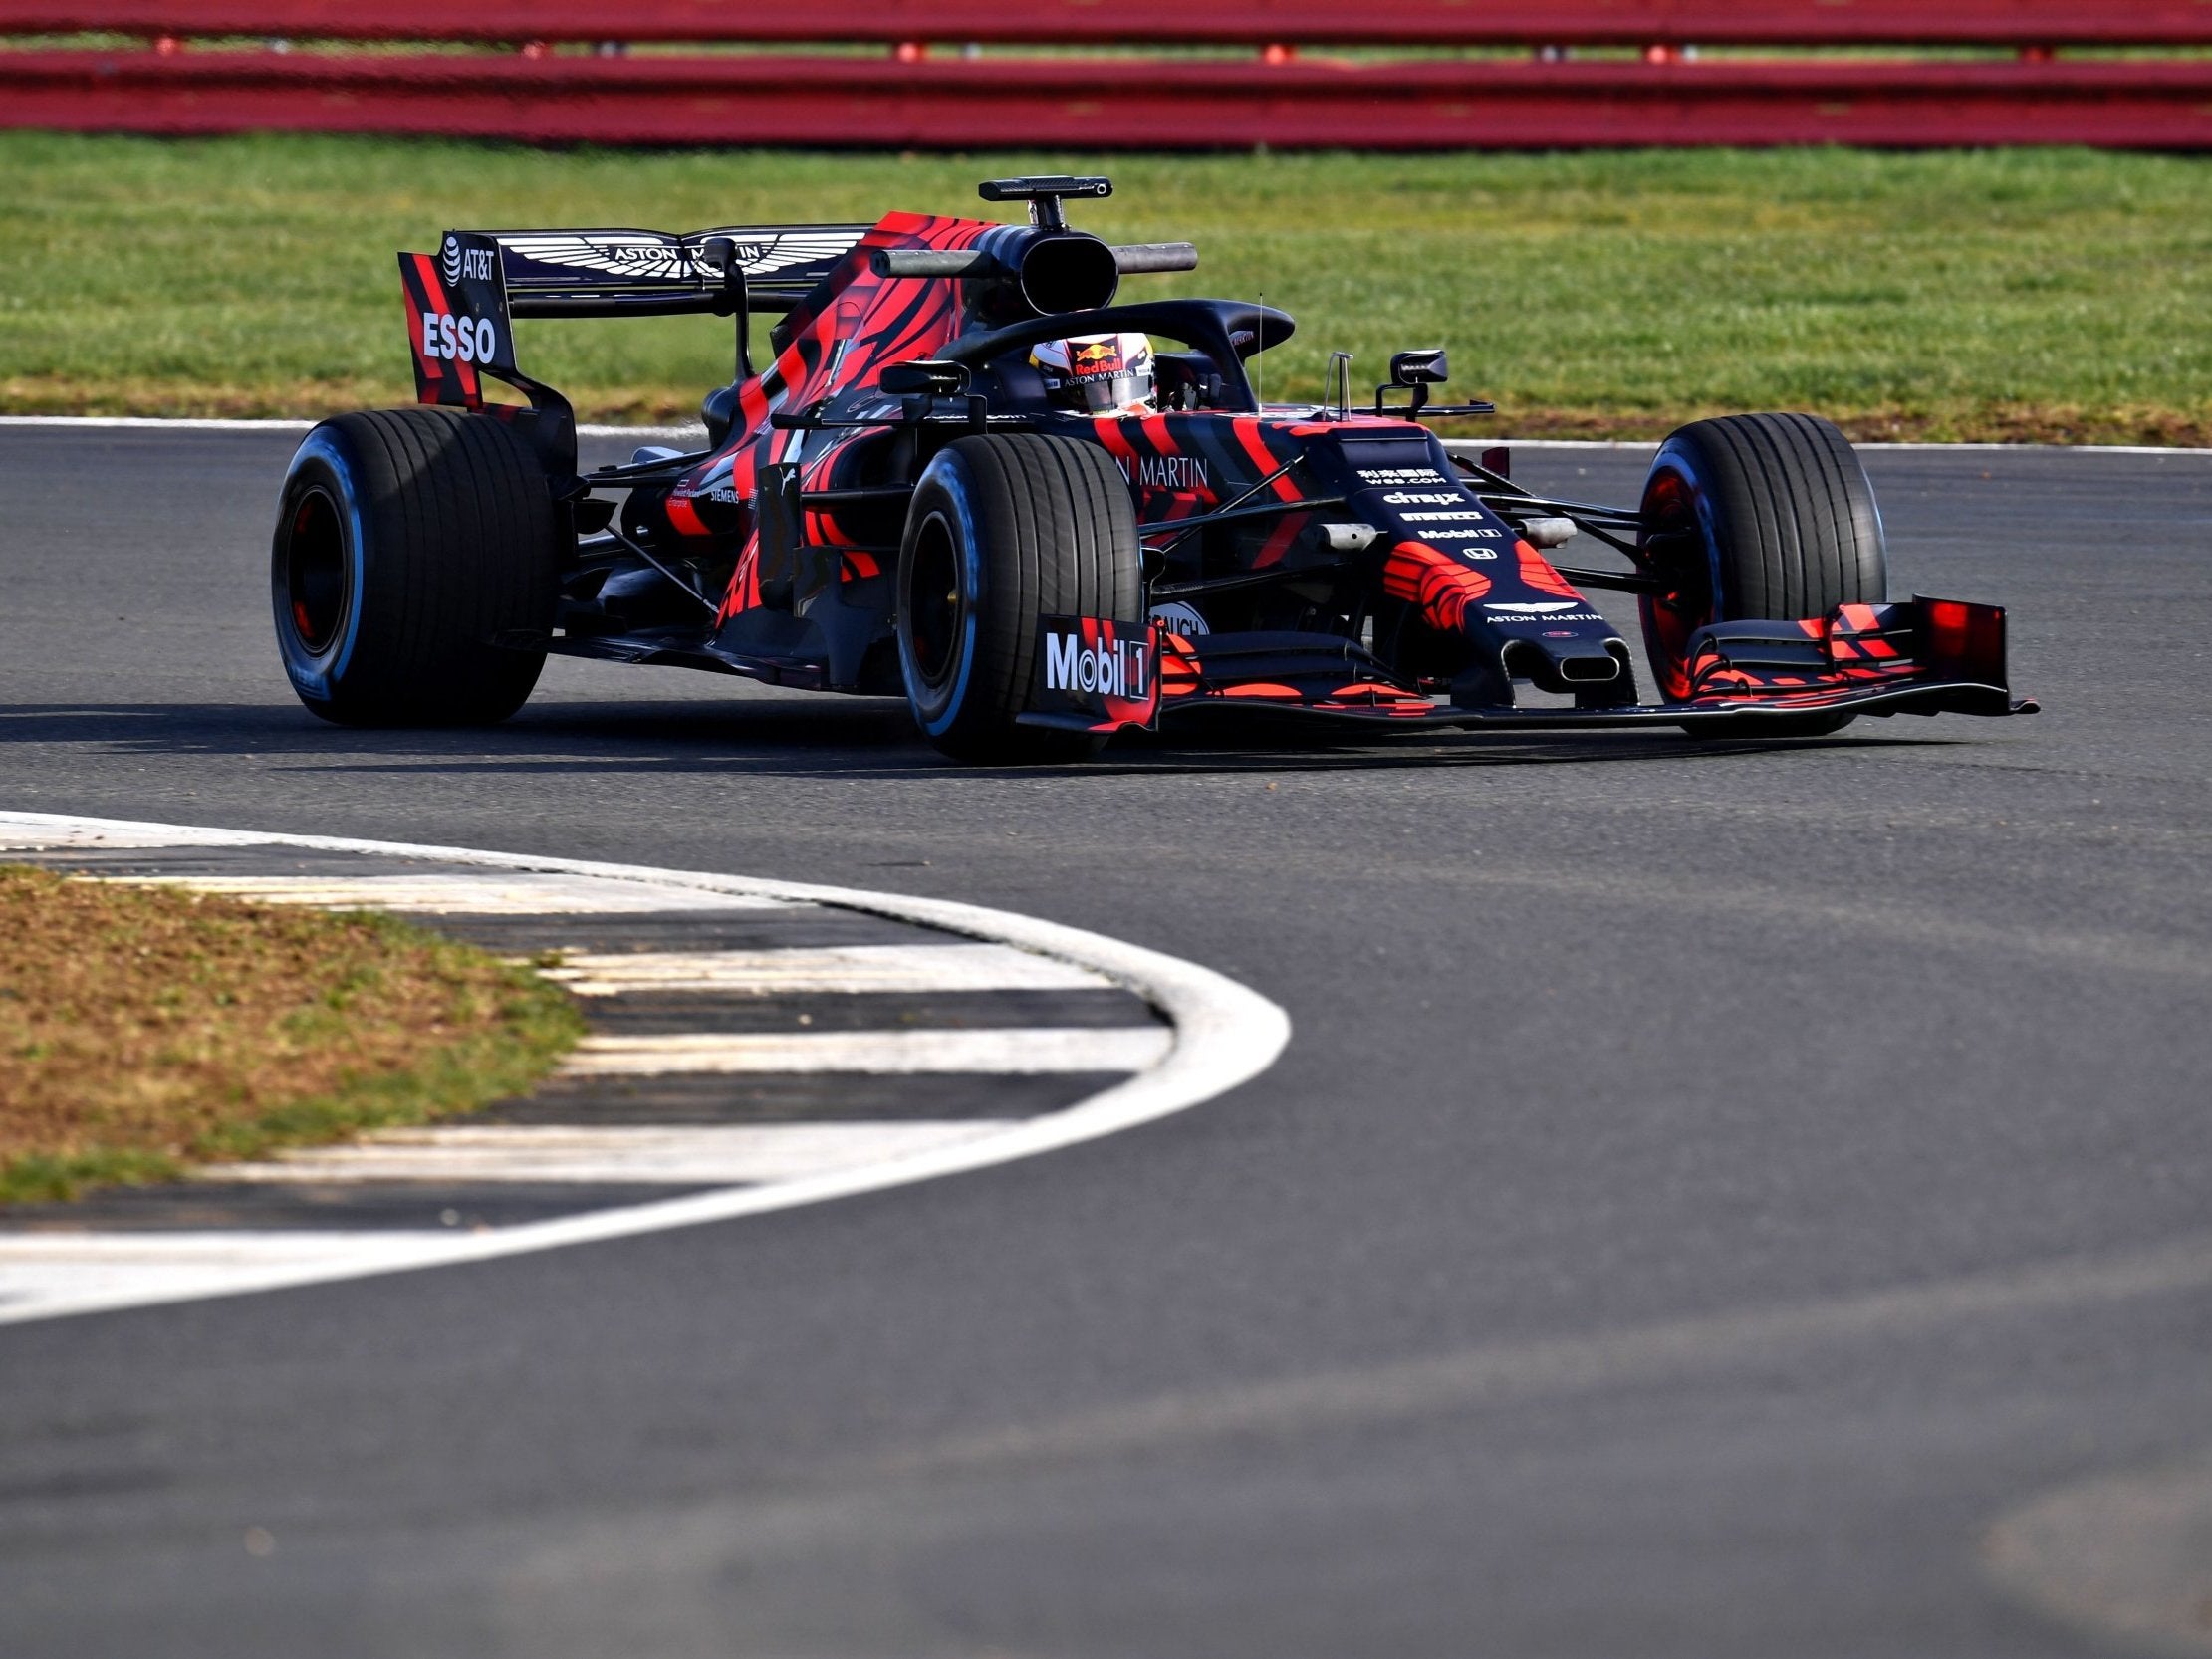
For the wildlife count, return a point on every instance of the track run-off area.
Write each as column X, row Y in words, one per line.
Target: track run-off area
column 1718, row 1198
column 757, row 1045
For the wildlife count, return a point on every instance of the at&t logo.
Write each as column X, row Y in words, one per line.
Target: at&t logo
column 456, row 262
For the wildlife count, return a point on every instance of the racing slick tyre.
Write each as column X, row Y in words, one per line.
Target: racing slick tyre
column 1758, row 517
column 413, row 569
column 1004, row 529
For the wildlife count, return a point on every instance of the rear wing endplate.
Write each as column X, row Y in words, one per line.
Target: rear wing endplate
column 457, row 323
column 461, row 300
column 460, row 335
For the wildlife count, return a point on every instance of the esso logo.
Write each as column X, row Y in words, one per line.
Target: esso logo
column 459, row 338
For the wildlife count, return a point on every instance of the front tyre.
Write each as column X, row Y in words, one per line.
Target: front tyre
column 412, row 568
column 1759, row 517
column 1005, row 529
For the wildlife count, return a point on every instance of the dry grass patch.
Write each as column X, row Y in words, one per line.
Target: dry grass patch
column 142, row 1029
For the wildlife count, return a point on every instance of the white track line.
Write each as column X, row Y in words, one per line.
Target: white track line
column 1475, row 446
column 1028, row 1051
column 698, row 434
column 712, row 1156
column 1224, row 1035
column 18, row 831
column 86, row 1272
column 524, row 895
column 825, row 968
column 130, row 423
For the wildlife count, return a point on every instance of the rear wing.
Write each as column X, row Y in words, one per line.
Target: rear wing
column 598, row 273
column 460, row 299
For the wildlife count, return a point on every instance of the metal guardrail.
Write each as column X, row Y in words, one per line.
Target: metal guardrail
column 185, row 74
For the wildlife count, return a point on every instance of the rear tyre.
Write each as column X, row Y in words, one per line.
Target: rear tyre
column 412, row 568
column 1004, row 529
column 1759, row 517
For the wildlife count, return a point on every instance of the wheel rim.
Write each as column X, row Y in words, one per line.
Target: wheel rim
column 315, row 571
column 934, row 602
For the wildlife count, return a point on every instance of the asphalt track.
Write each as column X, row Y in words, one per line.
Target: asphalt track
column 1708, row 1187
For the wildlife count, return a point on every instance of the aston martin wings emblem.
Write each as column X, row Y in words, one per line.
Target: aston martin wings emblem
column 638, row 255
column 765, row 252
column 651, row 258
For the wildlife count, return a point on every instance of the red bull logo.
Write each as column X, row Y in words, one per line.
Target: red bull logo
column 1087, row 357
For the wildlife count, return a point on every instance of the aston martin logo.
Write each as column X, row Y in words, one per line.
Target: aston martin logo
column 648, row 256
column 764, row 255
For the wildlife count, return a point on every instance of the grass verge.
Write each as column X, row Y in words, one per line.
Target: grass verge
column 145, row 1029
column 2026, row 294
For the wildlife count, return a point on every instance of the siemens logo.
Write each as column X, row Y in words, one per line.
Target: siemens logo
column 1117, row 670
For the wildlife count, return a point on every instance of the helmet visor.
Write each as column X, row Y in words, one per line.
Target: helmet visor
column 1112, row 394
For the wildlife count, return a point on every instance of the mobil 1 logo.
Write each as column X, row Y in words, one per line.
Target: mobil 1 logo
column 1095, row 673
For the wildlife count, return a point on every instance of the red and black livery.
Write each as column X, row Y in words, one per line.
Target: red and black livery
column 889, row 499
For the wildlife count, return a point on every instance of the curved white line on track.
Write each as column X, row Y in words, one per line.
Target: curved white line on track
column 1225, row 1034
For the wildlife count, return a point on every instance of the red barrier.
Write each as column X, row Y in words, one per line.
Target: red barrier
column 913, row 98
column 1068, row 104
column 1222, row 22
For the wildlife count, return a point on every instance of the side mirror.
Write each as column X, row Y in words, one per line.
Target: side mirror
column 925, row 379
column 1419, row 369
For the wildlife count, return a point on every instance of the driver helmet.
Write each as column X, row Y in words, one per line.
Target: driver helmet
column 1100, row 374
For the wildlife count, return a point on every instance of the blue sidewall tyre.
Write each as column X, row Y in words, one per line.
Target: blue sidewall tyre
column 322, row 462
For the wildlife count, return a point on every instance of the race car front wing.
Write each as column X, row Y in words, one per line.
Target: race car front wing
column 1921, row 656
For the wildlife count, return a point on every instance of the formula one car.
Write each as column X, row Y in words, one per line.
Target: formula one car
column 967, row 475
